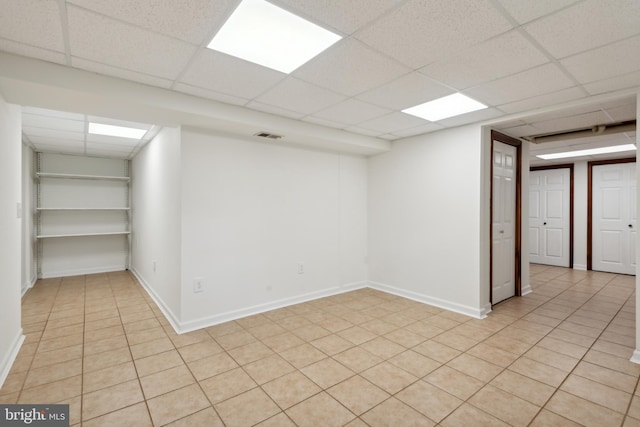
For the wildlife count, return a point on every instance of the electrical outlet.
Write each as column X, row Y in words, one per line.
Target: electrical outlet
column 300, row 268
column 198, row 285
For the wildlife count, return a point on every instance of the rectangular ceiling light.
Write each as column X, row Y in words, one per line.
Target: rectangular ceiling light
column 445, row 107
column 119, row 131
column 259, row 32
column 590, row 152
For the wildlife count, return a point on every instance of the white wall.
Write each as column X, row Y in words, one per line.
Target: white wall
column 425, row 200
column 29, row 273
column 580, row 215
column 254, row 212
column 156, row 215
column 10, row 229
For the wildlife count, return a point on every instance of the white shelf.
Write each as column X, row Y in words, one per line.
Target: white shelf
column 76, row 176
column 82, row 209
column 111, row 233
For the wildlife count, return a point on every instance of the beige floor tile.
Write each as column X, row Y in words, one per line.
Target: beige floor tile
column 597, row 393
column 49, row 358
column 613, row 348
column 177, row 404
column 357, row 335
column 606, row 376
column 235, row 339
column 141, row 325
column 505, row 406
column 165, row 381
column 358, row 394
column 327, row 373
column 158, row 362
column 436, row 351
column 539, row 371
column 549, row 419
column 51, row 333
column 389, row 377
column 303, row 355
column 200, row 350
column 634, row 408
column 62, row 342
column 320, row 410
column 393, row 412
column 51, row 373
column 266, row 330
column 291, row 389
column 110, row 399
column 523, row 387
column 140, row 337
column 571, row 337
column 475, row 367
column 429, row 400
column 96, row 347
column 331, row 344
column 150, row 348
column 405, row 338
column 226, row 385
column 563, row 347
column 250, row 353
column 104, row 333
column 414, row 363
column 13, row 383
column 282, row 342
column 507, row 344
column 454, row 382
column 108, row 377
column 383, row 348
column 212, row 365
column 205, row 418
column 269, row 368
column 106, row 359
column 310, row 332
column 52, row 392
column 612, row 362
column 552, row 358
column 469, row 415
column 133, row 415
column 456, row 341
column 357, row 359
column 424, row 329
column 279, row 420
column 582, row 411
column 247, row 409
column 492, row 354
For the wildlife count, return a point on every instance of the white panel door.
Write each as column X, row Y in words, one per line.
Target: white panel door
column 614, row 218
column 503, row 221
column 549, row 217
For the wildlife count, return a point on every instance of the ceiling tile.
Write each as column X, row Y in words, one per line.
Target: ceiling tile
column 36, row 121
column 418, row 130
column 112, row 140
column 53, row 113
column 296, row 95
column 545, row 100
column 406, row 91
column 420, row 32
column 323, row 122
column 623, row 113
column 265, row 108
column 362, row 131
column 33, row 22
column 57, row 142
column 608, row 61
column 474, row 116
column 345, row 16
column 350, row 68
column 573, row 122
column 32, row 52
column 190, row 20
column 226, row 74
column 100, row 39
column 501, row 56
column 119, row 73
column 525, row 11
column 351, row 112
column 52, row 133
column 393, row 122
column 210, row 94
column 586, row 25
column 537, row 81
column 519, row 131
column 615, row 83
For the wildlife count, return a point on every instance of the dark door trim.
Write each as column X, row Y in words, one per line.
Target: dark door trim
column 505, row 139
column 570, row 167
column 590, row 166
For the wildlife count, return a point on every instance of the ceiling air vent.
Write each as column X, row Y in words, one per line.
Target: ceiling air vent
column 268, row 135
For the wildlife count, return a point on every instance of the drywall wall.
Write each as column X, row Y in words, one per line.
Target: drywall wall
column 580, row 215
column 156, row 215
column 10, row 229
column 29, row 273
column 425, row 199
column 267, row 225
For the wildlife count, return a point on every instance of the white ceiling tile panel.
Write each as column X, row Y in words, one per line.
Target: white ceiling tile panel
column 265, row 108
column 61, row 150
column 568, row 112
column 623, row 113
column 392, row 123
column 46, row 141
column 625, row 81
column 296, row 95
column 351, row 112
column 33, row 120
column 418, row 130
column 500, row 56
column 534, row 82
column 424, row 31
column 32, row 52
column 586, row 25
column 190, row 20
column 52, row 133
column 345, row 16
column 350, row 68
column 53, row 113
column 226, row 74
column 323, row 122
column 573, row 122
column 518, row 131
column 111, row 140
column 210, row 94
column 108, row 70
column 110, row 147
column 362, row 131
column 474, row 116
column 608, row 61
column 33, row 22
column 118, row 122
column 406, row 91
column 100, row 39
column 524, row 11
column 552, row 98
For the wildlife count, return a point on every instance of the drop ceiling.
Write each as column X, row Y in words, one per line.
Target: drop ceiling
column 512, row 55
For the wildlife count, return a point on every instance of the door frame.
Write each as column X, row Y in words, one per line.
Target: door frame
column 570, row 167
column 590, row 166
column 505, row 139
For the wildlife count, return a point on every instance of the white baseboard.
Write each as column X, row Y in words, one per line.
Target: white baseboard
column 526, row 289
column 10, row 357
column 579, row 267
column 478, row 313
column 635, row 357
column 168, row 314
column 28, row 285
column 82, row 271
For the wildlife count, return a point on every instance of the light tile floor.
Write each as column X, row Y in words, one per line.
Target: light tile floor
column 556, row 357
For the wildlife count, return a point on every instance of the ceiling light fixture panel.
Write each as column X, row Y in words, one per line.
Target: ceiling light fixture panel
column 118, row 131
column 262, row 33
column 589, row 152
column 445, row 107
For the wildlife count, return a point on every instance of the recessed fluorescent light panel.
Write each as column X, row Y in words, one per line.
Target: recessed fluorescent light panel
column 259, row 32
column 445, row 107
column 590, row 152
column 119, row 131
